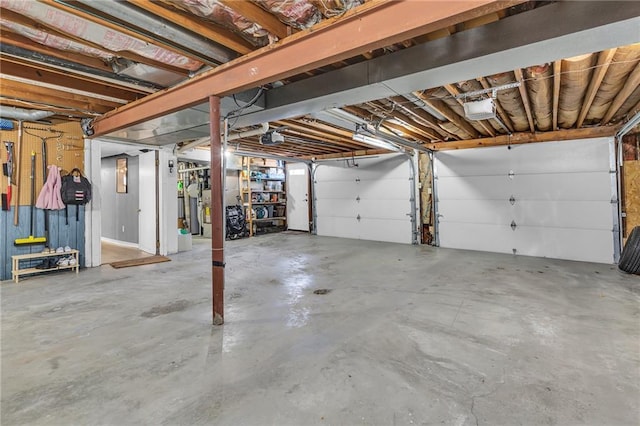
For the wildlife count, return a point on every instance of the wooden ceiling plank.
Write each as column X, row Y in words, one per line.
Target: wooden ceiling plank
column 604, row 60
column 121, row 29
column 501, row 112
column 525, row 97
column 453, row 91
column 30, row 90
column 632, row 83
column 255, row 13
column 369, row 26
column 557, row 78
column 192, row 23
column 526, row 137
column 68, row 80
column 444, row 109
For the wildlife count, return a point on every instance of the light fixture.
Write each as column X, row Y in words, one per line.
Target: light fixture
column 480, row 110
column 378, row 143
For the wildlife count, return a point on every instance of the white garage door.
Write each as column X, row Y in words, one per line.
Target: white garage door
column 547, row 199
column 370, row 201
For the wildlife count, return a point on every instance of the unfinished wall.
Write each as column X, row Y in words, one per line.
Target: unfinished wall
column 64, row 148
column 426, row 197
column 631, row 182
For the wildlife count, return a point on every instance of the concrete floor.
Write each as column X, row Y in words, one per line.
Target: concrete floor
column 407, row 335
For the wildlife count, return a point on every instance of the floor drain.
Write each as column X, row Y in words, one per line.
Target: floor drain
column 322, row 291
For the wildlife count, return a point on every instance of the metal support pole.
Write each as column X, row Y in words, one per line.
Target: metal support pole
column 217, row 214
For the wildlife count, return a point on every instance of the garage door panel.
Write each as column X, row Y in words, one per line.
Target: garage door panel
column 382, row 208
column 486, row 237
column 562, row 157
column 475, row 211
column 585, row 245
column 564, row 186
column 475, row 187
column 390, row 230
column 564, row 214
column 390, row 189
column 383, row 167
column 473, row 162
column 336, row 208
column 338, row 227
column 336, row 190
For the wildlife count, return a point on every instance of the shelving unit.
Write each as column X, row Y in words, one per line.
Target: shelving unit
column 17, row 272
column 263, row 196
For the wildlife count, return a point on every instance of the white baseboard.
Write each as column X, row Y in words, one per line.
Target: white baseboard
column 119, row 243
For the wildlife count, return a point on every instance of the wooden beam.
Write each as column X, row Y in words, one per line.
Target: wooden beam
column 632, row 83
column 525, row 97
column 138, row 35
column 66, row 79
column 453, row 91
column 521, row 138
column 557, row 76
column 423, row 116
column 601, row 67
column 17, row 40
column 191, row 23
column 449, row 114
column 308, row 128
column 255, row 13
column 366, row 27
column 501, row 112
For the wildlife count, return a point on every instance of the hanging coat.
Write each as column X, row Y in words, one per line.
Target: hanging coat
column 49, row 197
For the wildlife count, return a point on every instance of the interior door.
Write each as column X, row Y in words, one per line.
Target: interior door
column 147, row 203
column 297, row 196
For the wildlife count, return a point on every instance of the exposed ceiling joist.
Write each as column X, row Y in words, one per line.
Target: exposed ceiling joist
column 448, row 113
column 359, row 30
column 501, row 112
column 525, row 97
column 453, row 91
column 632, row 83
column 211, row 31
column 43, row 74
column 601, row 67
column 256, row 14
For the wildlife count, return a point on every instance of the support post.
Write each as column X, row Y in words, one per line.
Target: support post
column 217, row 214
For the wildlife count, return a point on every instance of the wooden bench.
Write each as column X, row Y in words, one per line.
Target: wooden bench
column 16, row 272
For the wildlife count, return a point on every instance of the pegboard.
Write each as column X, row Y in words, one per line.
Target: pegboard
column 65, row 151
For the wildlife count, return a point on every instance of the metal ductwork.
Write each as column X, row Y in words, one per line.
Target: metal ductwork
column 22, row 114
column 264, row 128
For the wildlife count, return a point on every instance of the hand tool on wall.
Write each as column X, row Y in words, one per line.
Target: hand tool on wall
column 16, row 203
column 31, row 239
column 7, row 170
column 18, row 176
column 58, row 135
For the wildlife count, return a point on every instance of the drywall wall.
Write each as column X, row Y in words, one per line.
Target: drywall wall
column 120, row 210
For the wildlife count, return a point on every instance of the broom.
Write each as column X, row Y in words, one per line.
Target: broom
column 31, row 239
